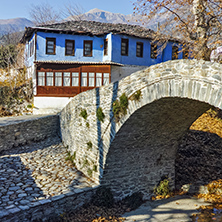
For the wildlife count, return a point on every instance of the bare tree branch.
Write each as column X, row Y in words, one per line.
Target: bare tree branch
column 187, row 28
column 73, row 11
column 44, row 14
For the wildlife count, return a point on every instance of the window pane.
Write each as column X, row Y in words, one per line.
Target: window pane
column 124, row 47
column 139, row 49
column 49, row 78
column 58, row 79
column 69, row 47
column 87, row 48
column 84, row 79
column 91, row 79
column 98, row 79
column 75, row 79
column 98, row 75
column 41, row 78
column 105, row 78
column 50, row 45
column 106, row 47
column 66, row 79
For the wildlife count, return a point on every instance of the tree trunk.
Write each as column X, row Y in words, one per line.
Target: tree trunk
column 199, row 10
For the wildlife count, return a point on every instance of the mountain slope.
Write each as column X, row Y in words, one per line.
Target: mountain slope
column 109, row 17
column 18, row 24
column 13, row 25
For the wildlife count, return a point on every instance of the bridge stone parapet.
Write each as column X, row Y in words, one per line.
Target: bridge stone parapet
column 135, row 152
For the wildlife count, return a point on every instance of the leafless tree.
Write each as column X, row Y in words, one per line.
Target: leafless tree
column 44, row 14
column 198, row 22
column 73, row 12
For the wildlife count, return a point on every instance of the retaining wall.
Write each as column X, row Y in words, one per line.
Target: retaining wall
column 53, row 207
column 15, row 131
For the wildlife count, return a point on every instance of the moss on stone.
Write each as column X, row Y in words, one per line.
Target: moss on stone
column 120, row 107
column 89, row 172
column 83, row 114
column 94, row 168
column 100, row 115
column 89, row 145
column 136, row 96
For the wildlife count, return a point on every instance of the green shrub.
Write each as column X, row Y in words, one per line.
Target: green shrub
column 100, row 115
column 103, row 197
column 83, row 114
column 163, row 188
column 87, row 124
column 120, row 107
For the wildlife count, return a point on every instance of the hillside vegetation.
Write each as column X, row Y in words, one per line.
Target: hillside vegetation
column 15, row 93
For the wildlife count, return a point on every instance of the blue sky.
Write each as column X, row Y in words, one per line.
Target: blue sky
column 20, row 8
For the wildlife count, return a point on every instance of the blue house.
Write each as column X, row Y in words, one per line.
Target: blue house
column 67, row 58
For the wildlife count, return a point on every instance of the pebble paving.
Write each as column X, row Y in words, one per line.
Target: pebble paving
column 37, row 172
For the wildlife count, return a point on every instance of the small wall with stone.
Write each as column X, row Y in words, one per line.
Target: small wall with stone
column 51, row 208
column 110, row 151
column 15, row 131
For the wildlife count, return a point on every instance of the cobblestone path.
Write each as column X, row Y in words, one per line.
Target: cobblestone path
column 33, row 173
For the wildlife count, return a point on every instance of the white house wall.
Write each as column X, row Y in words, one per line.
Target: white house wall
column 48, row 105
column 119, row 72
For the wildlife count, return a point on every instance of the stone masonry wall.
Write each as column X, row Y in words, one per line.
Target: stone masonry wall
column 91, row 140
column 51, row 208
column 15, row 131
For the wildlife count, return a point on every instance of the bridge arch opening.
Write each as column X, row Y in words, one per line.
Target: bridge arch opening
column 145, row 148
column 198, row 160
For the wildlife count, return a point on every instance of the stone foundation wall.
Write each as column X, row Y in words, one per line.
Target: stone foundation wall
column 15, row 131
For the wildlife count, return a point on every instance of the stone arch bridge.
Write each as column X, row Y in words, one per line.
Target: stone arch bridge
column 134, row 153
